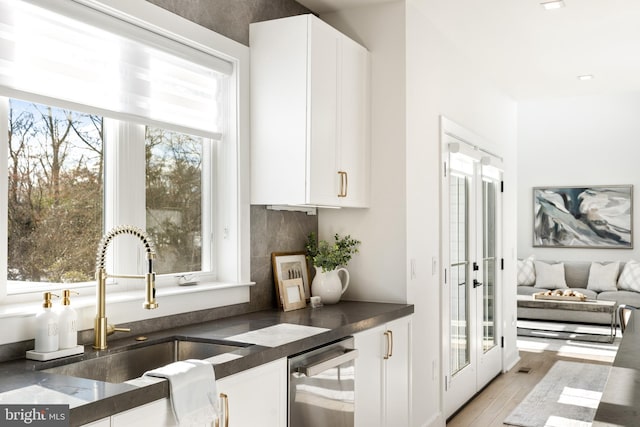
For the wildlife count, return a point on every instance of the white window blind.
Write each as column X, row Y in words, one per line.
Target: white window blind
column 77, row 57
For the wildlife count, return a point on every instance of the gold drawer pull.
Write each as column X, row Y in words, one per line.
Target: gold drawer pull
column 344, row 183
column 389, row 335
column 225, row 399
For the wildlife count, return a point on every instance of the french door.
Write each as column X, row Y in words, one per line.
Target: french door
column 471, row 297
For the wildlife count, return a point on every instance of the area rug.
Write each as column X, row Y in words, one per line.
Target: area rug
column 567, row 396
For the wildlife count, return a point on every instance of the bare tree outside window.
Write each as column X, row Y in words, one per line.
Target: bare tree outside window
column 55, row 193
column 174, row 198
column 55, row 198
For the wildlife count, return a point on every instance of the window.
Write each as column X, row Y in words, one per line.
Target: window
column 174, row 181
column 113, row 124
column 55, row 193
column 55, row 197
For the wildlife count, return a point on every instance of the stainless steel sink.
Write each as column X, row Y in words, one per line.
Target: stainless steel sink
column 128, row 364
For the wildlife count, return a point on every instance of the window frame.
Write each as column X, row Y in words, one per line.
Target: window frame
column 230, row 220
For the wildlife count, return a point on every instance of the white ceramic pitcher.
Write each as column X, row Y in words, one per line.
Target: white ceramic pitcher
column 328, row 284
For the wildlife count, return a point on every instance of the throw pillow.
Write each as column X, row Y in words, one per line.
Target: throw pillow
column 603, row 277
column 550, row 276
column 629, row 279
column 526, row 272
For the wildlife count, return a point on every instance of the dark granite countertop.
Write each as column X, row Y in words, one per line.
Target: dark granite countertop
column 101, row 399
column 620, row 403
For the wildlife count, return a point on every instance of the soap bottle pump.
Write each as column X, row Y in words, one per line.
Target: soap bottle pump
column 46, row 339
column 67, row 322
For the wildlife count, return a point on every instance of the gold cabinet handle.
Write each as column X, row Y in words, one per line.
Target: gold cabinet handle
column 389, row 335
column 225, row 399
column 344, row 184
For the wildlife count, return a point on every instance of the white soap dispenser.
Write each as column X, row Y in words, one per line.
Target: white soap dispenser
column 67, row 323
column 46, row 339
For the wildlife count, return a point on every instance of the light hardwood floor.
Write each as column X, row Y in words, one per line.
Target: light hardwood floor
column 496, row 401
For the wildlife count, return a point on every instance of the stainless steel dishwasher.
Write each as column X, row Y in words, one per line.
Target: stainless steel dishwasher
column 321, row 386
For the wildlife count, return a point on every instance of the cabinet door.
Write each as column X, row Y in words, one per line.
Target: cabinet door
column 323, row 110
column 398, row 373
column 157, row 413
column 279, row 111
column 256, row 397
column 354, row 122
column 383, row 389
column 309, row 96
column 369, row 377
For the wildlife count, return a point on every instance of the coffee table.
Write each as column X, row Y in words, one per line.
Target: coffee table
column 590, row 305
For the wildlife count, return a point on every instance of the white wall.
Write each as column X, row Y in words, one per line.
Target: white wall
column 378, row 272
column 403, row 222
column 576, row 141
column 442, row 82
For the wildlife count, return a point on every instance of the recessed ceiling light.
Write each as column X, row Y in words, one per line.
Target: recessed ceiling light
column 585, row 77
column 552, row 4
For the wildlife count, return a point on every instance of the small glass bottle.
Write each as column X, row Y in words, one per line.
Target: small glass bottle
column 46, row 339
column 67, row 323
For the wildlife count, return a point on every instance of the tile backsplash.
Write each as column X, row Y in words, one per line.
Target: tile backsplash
column 231, row 18
column 274, row 231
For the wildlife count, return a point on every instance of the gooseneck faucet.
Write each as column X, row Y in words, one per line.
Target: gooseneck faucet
column 101, row 327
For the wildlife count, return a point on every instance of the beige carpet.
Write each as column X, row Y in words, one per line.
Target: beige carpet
column 567, row 396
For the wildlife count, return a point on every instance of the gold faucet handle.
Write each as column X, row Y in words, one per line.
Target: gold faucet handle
column 111, row 329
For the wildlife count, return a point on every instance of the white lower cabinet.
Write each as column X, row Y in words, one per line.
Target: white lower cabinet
column 157, row 413
column 256, row 397
column 383, row 373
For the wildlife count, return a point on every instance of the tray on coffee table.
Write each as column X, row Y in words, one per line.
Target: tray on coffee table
column 541, row 295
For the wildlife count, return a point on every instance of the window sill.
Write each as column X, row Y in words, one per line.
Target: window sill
column 25, row 309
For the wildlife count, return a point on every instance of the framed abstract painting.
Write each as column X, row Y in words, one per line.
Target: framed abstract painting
column 583, row 217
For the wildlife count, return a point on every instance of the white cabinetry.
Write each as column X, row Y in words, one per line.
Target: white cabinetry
column 383, row 373
column 256, row 397
column 310, row 115
column 157, row 413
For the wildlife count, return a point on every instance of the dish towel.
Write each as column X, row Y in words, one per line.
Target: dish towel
column 192, row 384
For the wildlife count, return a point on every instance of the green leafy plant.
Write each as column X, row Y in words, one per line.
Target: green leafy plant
column 330, row 256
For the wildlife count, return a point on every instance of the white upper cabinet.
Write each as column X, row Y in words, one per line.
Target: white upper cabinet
column 310, row 115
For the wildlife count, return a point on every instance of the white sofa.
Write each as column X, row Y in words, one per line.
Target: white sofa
column 577, row 277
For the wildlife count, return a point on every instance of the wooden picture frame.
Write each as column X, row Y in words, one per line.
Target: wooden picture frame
column 293, row 297
column 290, row 265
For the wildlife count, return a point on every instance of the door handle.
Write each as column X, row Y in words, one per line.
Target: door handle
column 476, row 283
column 344, row 184
column 322, row 366
column 225, row 399
column 389, row 335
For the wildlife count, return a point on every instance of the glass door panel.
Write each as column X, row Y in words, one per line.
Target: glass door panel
column 489, row 264
column 459, row 295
